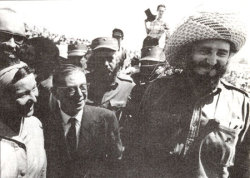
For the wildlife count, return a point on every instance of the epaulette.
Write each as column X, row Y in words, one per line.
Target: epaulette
column 125, row 79
column 21, row 145
column 229, row 86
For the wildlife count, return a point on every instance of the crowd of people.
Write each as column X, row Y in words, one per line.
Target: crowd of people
column 32, row 31
column 102, row 112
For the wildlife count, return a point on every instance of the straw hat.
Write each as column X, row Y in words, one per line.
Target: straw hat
column 204, row 26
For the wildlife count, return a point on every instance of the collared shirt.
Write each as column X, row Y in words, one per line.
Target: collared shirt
column 199, row 134
column 66, row 124
column 17, row 160
column 157, row 28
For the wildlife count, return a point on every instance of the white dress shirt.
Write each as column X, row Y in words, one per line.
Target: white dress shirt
column 66, row 124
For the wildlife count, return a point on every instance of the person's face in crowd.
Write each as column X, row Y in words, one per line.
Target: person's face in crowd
column 23, row 95
column 76, row 60
column 161, row 11
column 210, row 56
column 72, row 92
column 12, row 33
column 108, row 61
column 209, row 61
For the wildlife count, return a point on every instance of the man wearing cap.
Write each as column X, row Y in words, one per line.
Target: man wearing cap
column 12, row 36
column 108, row 87
column 151, row 66
column 118, row 34
column 194, row 124
column 76, row 54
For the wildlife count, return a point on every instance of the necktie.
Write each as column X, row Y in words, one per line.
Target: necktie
column 71, row 137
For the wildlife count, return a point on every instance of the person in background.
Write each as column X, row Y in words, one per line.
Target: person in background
column 12, row 37
column 42, row 55
column 156, row 29
column 123, row 53
column 194, row 124
column 76, row 55
column 22, row 150
column 118, row 34
column 109, row 88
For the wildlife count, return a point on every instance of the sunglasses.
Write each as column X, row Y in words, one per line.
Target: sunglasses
column 4, row 37
column 72, row 90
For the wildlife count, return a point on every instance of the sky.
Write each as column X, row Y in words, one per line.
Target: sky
column 95, row 18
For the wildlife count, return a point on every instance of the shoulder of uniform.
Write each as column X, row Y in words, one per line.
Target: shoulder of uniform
column 125, row 78
column 229, row 86
column 21, row 145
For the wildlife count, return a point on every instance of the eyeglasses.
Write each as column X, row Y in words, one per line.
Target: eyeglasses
column 72, row 90
column 4, row 36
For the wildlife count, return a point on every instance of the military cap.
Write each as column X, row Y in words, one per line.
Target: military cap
column 105, row 42
column 77, row 50
column 152, row 53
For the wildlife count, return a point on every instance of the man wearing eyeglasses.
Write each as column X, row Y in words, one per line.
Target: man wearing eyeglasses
column 12, row 36
column 80, row 140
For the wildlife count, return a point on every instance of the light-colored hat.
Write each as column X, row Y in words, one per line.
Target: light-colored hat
column 105, row 42
column 10, row 22
column 7, row 74
column 205, row 26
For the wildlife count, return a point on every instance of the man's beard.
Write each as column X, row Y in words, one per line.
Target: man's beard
column 8, row 56
column 106, row 76
column 208, row 82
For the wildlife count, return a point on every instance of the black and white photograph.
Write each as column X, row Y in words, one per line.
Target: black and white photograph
column 124, row 89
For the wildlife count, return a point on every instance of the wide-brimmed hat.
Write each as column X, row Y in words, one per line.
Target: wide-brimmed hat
column 105, row 42
column 77, row 50
column 152, row 53
column 205, row 26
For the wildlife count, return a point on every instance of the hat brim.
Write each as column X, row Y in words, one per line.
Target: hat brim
column 151, row 59
column 77, row 53
column 107, row 47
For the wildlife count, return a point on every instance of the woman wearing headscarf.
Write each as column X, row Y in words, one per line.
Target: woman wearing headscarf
column 21, row 135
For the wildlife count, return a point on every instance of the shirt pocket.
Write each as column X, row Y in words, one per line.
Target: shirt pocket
column 218, row 147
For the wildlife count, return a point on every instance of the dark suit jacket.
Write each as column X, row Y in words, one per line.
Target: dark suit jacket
column 99, row 145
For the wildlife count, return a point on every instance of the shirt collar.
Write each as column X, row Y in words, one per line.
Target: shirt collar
column 66, row 117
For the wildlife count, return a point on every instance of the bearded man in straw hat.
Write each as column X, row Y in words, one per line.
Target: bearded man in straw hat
column 194, row 124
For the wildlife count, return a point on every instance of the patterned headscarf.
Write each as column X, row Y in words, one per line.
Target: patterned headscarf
column 7, row 74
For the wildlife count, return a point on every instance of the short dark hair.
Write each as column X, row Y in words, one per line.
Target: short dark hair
column 118, row 30
column 44, row 45
column 161, row 5
column 62, row 71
